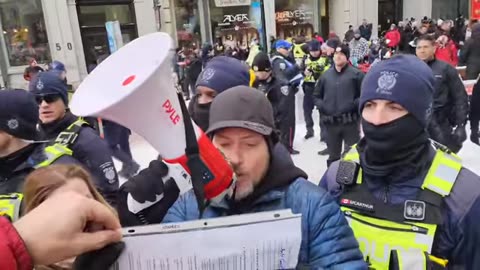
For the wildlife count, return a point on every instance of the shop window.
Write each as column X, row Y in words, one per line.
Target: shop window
column 24, row 31
column 449, row 10
column 187, row 23
column 237, row 23
column 295, row 18
column 92, row 16
column 98, row 15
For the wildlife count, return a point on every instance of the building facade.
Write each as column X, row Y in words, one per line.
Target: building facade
column 74, row 32
column 192, row 22
column 70, row 31
column 382, row 13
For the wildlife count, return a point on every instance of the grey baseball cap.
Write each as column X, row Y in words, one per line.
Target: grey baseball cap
column 242, row 107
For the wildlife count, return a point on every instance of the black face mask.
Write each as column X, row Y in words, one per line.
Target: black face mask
column 394, row 144
column 201, row 114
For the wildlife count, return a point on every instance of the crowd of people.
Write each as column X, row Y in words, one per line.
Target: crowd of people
column 396, row 197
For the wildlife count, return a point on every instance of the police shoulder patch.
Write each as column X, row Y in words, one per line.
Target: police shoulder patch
column 414, row 210
column 285, row 90
column 283, row 66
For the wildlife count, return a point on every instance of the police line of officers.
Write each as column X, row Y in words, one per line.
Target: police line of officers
column 409, row 201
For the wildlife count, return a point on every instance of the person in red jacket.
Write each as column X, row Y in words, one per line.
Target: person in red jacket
column 36, row 240
column 446, row 50
column 393, row 37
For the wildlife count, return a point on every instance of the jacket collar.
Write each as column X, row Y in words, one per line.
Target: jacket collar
column 269, row 197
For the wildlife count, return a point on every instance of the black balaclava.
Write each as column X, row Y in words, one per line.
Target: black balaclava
column 407, row 81
column 201, row 114
column 385, row 150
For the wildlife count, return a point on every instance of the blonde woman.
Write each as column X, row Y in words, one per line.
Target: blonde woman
column 56, row 179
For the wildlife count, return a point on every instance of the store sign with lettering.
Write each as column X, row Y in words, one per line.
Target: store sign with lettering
column 290, row 15
column 235, row 18
column 232, row 3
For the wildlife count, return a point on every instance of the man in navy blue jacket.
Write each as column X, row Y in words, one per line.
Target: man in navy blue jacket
column 401, row 192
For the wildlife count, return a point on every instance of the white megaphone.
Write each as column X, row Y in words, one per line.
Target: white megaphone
column 134, row 87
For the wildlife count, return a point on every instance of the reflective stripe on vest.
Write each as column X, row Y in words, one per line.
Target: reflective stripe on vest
column 442, row 173
column 53, row 153
column 80, row 122
column 411, row 260
column 10, row 205
column 69, row 135
column 378, row 237
column 297, row 51
column 315, row 67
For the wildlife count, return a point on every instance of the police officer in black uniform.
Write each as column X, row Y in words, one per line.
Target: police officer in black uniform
column 21, row 151
column 281, row 96
column 63, row 128
column 336, row 96
column 288, row 72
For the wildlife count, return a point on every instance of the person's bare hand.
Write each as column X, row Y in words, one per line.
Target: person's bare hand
column 56, row 229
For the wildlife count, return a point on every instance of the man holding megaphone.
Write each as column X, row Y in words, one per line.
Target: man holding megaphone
column 241, row 125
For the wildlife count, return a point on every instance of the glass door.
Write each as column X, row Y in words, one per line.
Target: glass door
column 92, row 16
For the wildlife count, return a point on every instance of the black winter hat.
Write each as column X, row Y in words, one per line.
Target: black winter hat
column 48, row 83
column 343, row 49
column 242, row 107
column 19, row 114
column 261, row 62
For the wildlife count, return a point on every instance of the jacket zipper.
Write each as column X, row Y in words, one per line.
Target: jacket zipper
column 414, row 228
column 385, row 196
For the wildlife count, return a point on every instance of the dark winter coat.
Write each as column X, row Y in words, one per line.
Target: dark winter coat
column 91, row 151
column 285, row 70
column 20, row 164
column 470, row 57
column 450, row 104
column 338, row 93
column 366, row 31
column 455, row 240
column 282, row 98
column 327, row 240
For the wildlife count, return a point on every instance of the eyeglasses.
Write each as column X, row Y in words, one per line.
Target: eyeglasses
column 47, row 98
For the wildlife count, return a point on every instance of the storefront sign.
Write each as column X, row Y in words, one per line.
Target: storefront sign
column 232, row 3
column 290, row 15
column 475, row 9
column 235, row 19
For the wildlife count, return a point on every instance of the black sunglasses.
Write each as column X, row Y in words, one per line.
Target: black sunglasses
column 47, row 98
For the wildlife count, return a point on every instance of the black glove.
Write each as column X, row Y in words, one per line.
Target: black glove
column 460, row 134
column 102, row 259
column 145, row 187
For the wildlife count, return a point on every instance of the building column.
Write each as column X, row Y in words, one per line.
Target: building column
column 270, row 20
column 3, row 60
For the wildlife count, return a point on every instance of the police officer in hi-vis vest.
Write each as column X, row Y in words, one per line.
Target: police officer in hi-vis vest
column 409, row 200
column 63, row 128
column 21, row 151
column 314, row 66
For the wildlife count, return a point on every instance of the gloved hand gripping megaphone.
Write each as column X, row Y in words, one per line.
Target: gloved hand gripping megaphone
column 134, row 87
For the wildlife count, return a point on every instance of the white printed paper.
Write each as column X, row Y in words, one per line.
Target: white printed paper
column 269, row 240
